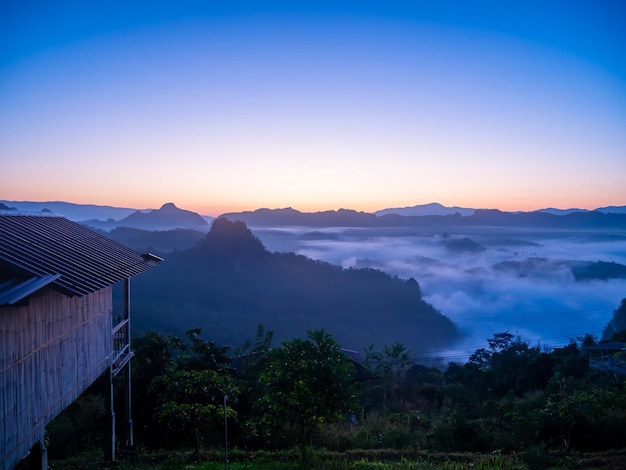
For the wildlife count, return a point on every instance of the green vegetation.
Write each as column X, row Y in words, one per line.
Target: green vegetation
column 305, row 384
column 305, row 404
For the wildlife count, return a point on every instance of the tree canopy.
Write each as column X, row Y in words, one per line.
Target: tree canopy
column 307, row 382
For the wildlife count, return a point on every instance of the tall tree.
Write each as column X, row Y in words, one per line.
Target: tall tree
column 192, row 402
column 307, row 382
column 391, row 366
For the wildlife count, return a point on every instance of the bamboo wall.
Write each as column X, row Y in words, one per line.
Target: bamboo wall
column 50, row 351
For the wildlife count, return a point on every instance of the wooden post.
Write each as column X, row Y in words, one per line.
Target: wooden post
column 128, row 384
column 126, row 298
column 128, row 407
column 110, row 448
column 43, row 454
column 225, row 435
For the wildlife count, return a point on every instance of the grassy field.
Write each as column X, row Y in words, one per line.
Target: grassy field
column 534, row 459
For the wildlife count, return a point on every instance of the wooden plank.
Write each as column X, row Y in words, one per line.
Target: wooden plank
column 50, row 352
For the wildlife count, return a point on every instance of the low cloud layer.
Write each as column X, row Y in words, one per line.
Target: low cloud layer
column 474, row 277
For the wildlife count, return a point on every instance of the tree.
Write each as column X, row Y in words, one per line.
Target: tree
column 154, row 357
column 614, row 330
column 199, row 354
column 307, row 383
column 511, row 364
column 392, row 366
column 192, row 401
column 181, row 382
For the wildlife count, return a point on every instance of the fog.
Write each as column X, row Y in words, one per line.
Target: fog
column 518, row 281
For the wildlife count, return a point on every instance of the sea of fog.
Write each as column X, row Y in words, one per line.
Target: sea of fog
column 545, row 305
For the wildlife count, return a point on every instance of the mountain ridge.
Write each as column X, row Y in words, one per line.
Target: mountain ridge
column 170, row 217
column 167, row 217
column 433, row 208
column 480, row 217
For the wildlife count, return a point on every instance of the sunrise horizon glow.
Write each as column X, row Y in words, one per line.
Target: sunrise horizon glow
column 318, row 106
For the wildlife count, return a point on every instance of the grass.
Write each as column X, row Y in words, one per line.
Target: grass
column 385, row 459
column 376, row 460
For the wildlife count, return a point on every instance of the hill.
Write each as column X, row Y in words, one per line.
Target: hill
column 72, row 211
column 617, row 325
column 612, row 209
column 434, row 208
column 480, row 218
column 160, row 242
column 168, row 217
column 292, row 217
column 229, row 283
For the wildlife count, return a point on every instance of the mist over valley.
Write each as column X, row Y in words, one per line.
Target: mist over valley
column 549, row 286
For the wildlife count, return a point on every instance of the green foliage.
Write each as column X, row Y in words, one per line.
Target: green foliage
column 401, row 384
column 508, row 398
column 578, row 415
column 182, row 382
column 307, row 383
column 80, row 427
column 199, row 354
column 192, row 402
column 393, row 369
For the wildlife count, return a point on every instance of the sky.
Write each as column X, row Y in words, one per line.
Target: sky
column 229, row 106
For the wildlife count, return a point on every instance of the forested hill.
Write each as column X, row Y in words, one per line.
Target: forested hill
column 229, row 283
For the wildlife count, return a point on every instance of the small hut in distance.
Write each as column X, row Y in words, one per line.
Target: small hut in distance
column 58, row 332
column 607, row 357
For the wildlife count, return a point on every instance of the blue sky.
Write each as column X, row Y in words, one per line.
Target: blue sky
column 222, row 106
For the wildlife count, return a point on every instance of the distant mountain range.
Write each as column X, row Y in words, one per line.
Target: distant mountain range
column 107, row 218
column 480, row 218
column 604, row 210
column 434, row 208
column 170, row 217
column 69, row 210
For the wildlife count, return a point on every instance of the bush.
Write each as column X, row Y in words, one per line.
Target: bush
column 537, row 458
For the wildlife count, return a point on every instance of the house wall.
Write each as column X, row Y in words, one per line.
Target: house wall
column 50, row 351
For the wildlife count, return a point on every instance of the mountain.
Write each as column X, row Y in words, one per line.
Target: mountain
column 464, row 245
column 612, row 209
column 434, row 208
column 229, row 283
column 292, row 217
column 552, row 210
column 480, row 218
column 434, row 215
column 71, row 211
column 582, row 271
column 168, row 217
column 159, row 242
column 617, row 325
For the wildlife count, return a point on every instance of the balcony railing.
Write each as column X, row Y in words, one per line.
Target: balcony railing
column 608, row 364
column 121, row 345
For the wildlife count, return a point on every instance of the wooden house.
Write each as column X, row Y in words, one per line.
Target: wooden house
column 609, row 358
column 58, row 331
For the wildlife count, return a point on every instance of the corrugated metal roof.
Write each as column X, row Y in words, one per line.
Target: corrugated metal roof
column 14, row 290
column 38, row 245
